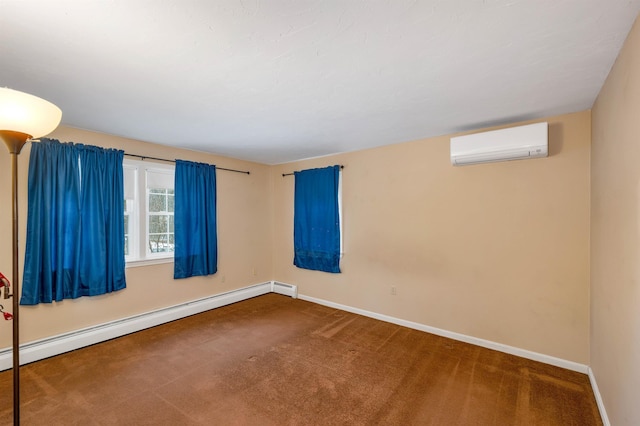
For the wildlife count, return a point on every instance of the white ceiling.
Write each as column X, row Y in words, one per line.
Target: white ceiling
column 276, row 81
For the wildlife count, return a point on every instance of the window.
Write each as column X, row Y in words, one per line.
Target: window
column 148, row 213
column 160, row 220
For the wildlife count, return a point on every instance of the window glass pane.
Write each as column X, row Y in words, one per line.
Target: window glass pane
column 157, row 224
column 170, row 202
column 171, row 224
column 158, row 243
column 157, row 203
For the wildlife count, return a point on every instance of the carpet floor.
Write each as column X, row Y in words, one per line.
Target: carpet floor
column 273, row 360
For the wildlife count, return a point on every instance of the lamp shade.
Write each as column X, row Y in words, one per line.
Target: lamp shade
column 25, row 113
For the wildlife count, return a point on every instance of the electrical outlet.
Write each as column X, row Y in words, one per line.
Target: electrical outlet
column 393, row 290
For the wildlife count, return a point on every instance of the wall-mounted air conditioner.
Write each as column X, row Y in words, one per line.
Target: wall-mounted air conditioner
column 514, row 143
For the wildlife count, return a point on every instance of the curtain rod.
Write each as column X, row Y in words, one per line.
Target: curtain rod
column 146, row 157
column 291, row 174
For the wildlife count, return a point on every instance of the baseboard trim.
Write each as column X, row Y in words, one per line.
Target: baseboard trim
column 55, row 345
column 535, row 356
column 599, row 401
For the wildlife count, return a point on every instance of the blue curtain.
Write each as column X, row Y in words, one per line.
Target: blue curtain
column 75, row 223
column 196, row 234
column 316, row 229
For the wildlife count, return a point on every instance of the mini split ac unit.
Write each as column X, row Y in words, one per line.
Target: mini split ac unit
column 515, row 143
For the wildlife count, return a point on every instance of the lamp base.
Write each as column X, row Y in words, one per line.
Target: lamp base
column 14, row 140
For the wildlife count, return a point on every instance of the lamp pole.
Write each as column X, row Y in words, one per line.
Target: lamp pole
column 22, row 117
column 15, row 141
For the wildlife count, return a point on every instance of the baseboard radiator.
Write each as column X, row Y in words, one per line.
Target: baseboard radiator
column 285, row 289
column 55, row 345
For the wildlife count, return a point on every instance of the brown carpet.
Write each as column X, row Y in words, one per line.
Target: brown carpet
column 273, row 360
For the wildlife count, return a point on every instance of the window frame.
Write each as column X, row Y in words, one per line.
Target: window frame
column 138, row 212
column 162, row 213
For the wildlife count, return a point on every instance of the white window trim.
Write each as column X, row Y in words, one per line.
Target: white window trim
column 147, row 262
column 138, row 218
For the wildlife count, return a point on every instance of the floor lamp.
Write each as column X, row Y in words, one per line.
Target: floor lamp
column 22, row 117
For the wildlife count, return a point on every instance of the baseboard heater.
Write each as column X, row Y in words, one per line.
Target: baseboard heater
column 285, row 289
column 56, row 345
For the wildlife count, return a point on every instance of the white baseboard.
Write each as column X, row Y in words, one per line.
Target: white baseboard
column 547, row 359
column 599, row 401
column 55, row 345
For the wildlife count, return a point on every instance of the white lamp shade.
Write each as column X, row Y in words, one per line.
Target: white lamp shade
column 24, row 113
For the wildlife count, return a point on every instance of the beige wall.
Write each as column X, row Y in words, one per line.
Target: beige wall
column 615, row 237
column 497, row 251
column 244, row 243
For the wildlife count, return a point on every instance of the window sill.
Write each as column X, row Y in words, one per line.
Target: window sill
column 147, row 262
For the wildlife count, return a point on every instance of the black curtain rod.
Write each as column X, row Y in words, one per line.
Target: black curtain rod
column 146, row 157
column 291, row 174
